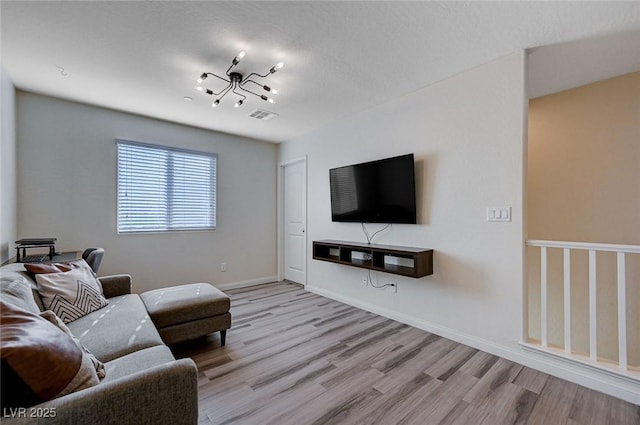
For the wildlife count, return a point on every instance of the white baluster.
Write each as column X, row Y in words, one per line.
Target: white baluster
column 623, row 368
column 622, row 313
column 593, row 302
column 543, row 295
column 567, row 299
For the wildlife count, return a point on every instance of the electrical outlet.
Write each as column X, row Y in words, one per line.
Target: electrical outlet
column 223, row 267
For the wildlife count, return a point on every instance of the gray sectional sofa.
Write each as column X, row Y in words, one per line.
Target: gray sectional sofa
column 144, row 383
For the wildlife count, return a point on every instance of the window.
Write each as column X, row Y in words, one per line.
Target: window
column 164, row 189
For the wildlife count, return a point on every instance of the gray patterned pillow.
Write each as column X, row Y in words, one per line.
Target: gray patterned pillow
column 71, row 295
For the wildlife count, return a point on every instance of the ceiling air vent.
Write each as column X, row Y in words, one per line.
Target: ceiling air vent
column 263, row 115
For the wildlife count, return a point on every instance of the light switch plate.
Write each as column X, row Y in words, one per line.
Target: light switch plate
column 498, row 213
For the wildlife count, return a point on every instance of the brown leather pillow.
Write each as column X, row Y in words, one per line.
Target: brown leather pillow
column 74, row 264
column 41, row 268
column 39, row 361
column 46, row 268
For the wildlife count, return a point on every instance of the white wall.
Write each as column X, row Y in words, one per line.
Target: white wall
column 8, row 178
column 67, row 189
column 468, row 134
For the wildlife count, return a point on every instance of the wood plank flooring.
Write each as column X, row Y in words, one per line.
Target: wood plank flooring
column 293, row 357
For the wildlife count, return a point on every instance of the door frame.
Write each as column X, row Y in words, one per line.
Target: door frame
column 280, row 228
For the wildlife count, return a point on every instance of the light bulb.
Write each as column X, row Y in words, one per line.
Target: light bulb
column 238, row 104
column 277, row 66
column 269, row 89
column 237, row 58
column 202, row 77
column 215, row 103
column 199, row 88
column 268, row 99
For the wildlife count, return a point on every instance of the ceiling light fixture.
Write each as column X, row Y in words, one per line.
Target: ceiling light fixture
column 236, row 81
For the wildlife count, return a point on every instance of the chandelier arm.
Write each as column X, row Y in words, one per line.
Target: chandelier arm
column 249, row 91
column 251, row 81
column 239, row 94
column 255, row 73
column 229, row 69
column 226, row 88
column 217, row 76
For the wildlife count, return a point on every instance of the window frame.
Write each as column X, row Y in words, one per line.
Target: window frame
column 168, row 172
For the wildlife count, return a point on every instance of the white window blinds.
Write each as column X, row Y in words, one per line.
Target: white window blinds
column 164, row 189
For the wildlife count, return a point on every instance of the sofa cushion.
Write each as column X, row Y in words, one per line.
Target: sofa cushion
column 71, row 295
column 116, row 330
column 138, row 361
column 39, row 361
column 16, row 289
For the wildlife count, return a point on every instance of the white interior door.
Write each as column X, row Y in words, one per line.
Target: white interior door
column 294, row 219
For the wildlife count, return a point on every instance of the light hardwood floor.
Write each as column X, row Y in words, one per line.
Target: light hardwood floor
column 293, row 357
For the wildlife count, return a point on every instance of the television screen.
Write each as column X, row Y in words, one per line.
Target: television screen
column 380, row 191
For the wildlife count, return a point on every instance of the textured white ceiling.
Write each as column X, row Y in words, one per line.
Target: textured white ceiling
column 341, row 57
column 566, row 65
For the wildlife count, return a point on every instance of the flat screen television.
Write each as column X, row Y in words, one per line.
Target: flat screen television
column 380, row 191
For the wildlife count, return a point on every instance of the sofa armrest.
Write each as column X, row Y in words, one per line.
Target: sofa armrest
column 119, row 284
column 164, row 394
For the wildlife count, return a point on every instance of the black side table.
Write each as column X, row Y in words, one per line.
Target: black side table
column 24, row 244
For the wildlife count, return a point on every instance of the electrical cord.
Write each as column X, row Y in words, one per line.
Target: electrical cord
column 366, row 234
column 370, row 237
column 370, row 282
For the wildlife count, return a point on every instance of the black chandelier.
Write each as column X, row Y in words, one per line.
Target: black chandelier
column 236, row 82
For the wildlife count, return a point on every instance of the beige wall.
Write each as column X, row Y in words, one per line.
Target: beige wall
column 583, row 184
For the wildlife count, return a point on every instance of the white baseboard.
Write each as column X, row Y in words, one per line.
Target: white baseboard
column 245, row 283
column 578, row 374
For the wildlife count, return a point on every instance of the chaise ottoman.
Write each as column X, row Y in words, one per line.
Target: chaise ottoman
column 189, row 311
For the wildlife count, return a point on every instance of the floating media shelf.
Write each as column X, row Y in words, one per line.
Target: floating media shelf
column 405, row 261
